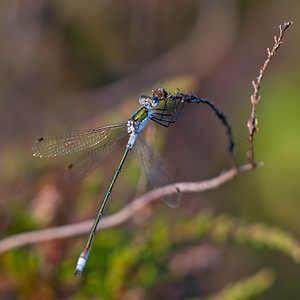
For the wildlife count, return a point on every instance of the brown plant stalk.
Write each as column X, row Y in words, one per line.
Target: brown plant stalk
column 252, row 121
column 121, row 216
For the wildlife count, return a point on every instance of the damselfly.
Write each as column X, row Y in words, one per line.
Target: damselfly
column 162, row 108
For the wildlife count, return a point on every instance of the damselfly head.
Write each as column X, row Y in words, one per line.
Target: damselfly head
column 149, row 102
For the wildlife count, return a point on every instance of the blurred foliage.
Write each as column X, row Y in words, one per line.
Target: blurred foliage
column 124, row 259
column 248, row 288
column 278, row 149
column 76, row 64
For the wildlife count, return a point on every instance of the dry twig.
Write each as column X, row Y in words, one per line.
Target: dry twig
column 121, row 216
column 252, row 121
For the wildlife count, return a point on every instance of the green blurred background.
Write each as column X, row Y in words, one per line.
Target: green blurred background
column 77, row 64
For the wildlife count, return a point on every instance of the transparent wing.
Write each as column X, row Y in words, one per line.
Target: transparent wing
column 74, row 141
column 155, row 170
column 91, row 160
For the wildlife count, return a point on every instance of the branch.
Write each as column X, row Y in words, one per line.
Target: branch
column 121, row 216
column 252, row 121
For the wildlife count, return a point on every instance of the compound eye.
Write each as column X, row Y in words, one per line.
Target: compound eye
column 143, row 99
column 154, row 101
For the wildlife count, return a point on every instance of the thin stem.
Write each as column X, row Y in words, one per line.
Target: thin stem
column 252, row 121
column 121, row 216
